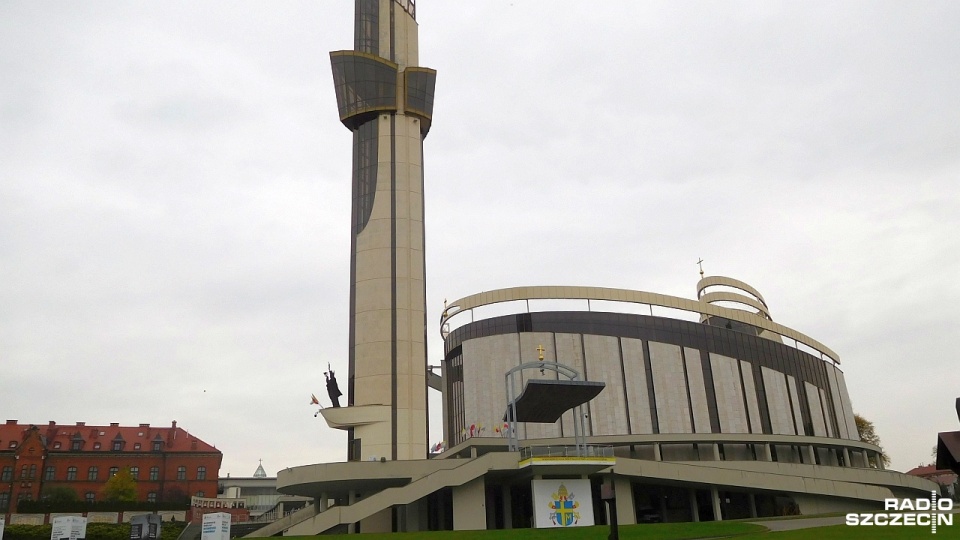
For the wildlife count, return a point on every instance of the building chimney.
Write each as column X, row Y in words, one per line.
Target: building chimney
column 11, row 422
column 174, row 424
column 144, row 425
column 114, row 424
column 81, row 424
column 52, row 423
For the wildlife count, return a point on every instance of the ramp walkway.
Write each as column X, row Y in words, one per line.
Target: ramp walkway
column 309, row 521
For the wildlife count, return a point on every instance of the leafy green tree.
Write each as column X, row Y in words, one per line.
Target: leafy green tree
column 121, row 487
column 868, row 434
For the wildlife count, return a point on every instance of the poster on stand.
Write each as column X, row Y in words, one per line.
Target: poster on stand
column 215, row 526
column 562, row 503
column 69, row 528
column 144, row 527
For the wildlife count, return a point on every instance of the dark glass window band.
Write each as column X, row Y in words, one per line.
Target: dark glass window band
column 742, row 346
column 365, row 84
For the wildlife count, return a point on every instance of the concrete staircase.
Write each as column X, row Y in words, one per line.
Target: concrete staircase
column 285, row 522
column 310, row 522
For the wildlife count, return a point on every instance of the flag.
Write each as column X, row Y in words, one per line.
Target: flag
column 313, row 400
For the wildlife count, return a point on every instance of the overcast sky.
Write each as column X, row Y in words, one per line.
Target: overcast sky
column 175, row 193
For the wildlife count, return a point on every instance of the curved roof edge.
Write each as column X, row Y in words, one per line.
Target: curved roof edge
column 544, row 292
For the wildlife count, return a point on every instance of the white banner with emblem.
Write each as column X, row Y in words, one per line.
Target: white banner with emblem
column 562, row 503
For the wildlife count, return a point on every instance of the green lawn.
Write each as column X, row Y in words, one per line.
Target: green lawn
column 654, row 531
column 838, row 532
column 669, row 531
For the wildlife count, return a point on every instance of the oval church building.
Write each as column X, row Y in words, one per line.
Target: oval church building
column 698, row 409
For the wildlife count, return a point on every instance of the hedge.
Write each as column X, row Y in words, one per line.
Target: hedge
column 95, row 531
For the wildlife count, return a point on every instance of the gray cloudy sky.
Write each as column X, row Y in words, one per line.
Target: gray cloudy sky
column 174, row 193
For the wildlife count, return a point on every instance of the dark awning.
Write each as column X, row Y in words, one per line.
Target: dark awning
column 544, row 401
column 948, row 451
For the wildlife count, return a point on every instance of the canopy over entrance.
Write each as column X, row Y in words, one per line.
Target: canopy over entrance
column 544, row 401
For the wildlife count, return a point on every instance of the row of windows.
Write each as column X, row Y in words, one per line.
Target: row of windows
column 89, row 497
column 117, row 445
column 50, row 473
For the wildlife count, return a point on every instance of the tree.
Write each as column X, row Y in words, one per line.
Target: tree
column 121, row 487
column 868, row 434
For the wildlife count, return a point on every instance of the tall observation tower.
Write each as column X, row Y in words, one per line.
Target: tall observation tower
column 386, row 100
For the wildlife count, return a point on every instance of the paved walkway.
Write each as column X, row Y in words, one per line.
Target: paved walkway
column 802, row 523
column 806, row 523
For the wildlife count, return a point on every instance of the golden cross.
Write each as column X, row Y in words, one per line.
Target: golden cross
column 700, row 263
column 540, row 349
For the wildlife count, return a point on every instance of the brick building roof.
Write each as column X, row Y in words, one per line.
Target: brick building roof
column 59, row 437
column 930, row 472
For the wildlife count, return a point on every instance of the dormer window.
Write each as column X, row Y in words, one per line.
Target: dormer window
column 56, row 445
column 96, row 446
column 157, row 445
column 136, row 446
column 75, row 445
column 117, row 446
column 13, row 444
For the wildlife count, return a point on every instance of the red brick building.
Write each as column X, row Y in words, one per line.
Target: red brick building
column 168, row 463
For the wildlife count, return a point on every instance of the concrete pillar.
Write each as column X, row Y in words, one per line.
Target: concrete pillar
column 379, row 522
column 810, row 457
column 656, row 453
column 694, row 507
column 321, row 502
column 411, row 513
column 753, row 505
column 879, row 461
column 846, row 457
column 716, row 451
column 469, row 506
column 626, row 512
column 351, row 498
column 507, row 508
column 765, row 452
column 715, row 499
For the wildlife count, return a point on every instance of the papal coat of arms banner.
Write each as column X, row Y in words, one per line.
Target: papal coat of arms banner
column 562, row 503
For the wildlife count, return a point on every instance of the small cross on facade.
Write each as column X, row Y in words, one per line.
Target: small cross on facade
column 540, row 350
